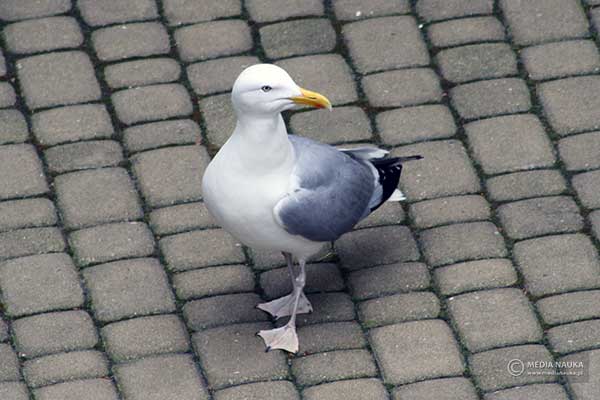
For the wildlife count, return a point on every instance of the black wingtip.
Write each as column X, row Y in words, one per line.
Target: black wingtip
column 410, row 158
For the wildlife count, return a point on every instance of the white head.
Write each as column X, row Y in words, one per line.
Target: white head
column 266, row 89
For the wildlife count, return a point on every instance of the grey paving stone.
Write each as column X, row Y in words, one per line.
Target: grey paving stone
column 12, row 10
column 533, row 392
column 390, row 213
column 542, row 262
column 542, row 216
column 146, row 336
column 354, row 389
column 44, row 34
column 573, row 337
column 489, row 368
column 404, row 358
column 14, row 391
column 346, row 124
column 475, row 275
column 26, row 242
column 158, row 134
column 88, row 389
column 388, row 279
column 494, row 318
column 128, row 288
column 223, row 310
column 180, row 12
column 477, row 61
column 181, row 218
column 446, row 210
column 166, row 377
column 402, row 88
column 3, row 331
column 212, row 281
column 106, row 12
column 131, row 40
column 415, row 124
column 594, row 218
column 586, row 185
column 57, row 78
column 271, row 390
column 54, row 333
column 273, row 10
column 527, row 184
column 22, row 172
column 488, row 98
column 462, row 242
column 2, row 64
column 433, row 10
column 589, row 388
column 70, row 124
column 9, row 364
column 83, row 155
column 213, row 39
column 39, row 283
column 26, row 213
column 13, row 127
column 200, row 249
column 347, row 10
column 62, row 367
column 595, row 17
column 266, row 260
column 87, row 198
column 333, row 366
column 465, row 31
column 292, row 38
column 569, row 307
column 580, row 152
column 171, row 175
column 321, row 277
column 7, row 95
column 560, row 59
column 111, row 242
column 493, row 141
column 398, row 308
column 142, row 72
column 149, row 103
column 396, row 38
column 332, row 336
column 219, row 118
column 329, row 307
column 544, row 20
column 233, row 355
column 214, row 76
column 337, row 85
column 571, row 104
column 439, row 389
column 445, row 171
column 376, row 246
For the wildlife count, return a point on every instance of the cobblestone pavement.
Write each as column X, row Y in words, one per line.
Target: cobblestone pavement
column 116, row 284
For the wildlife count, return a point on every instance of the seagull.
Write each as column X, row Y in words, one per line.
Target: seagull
column 278, row 192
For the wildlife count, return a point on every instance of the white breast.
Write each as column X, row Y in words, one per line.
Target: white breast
column 242, row 201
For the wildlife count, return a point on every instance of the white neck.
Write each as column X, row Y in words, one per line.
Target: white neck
column 262, row 143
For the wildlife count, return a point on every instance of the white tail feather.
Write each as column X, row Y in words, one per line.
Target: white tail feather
column 397, row 196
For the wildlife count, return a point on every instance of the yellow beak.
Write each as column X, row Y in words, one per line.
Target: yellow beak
column 312, row 99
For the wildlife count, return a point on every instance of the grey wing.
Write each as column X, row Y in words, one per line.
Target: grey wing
column 333, row 192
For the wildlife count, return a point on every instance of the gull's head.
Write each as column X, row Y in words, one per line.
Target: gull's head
column 266, row 89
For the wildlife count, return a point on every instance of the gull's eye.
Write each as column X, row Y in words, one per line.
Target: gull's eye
column 266, row 88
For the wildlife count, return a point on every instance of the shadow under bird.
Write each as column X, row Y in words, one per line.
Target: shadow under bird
column 279, row 192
